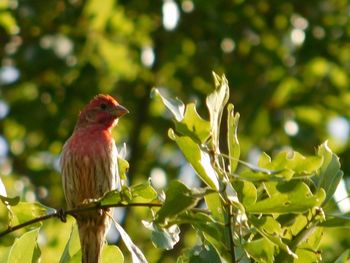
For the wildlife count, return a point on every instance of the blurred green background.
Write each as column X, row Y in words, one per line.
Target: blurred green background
column 287, row 63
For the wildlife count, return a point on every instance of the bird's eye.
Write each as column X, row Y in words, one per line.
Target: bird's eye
column 103, row 106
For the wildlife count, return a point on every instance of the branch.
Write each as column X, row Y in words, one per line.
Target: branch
column 61, row 214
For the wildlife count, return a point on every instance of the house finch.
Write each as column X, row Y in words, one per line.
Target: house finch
column 89, row 169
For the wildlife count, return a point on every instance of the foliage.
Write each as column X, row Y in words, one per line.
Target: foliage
column 267, row 212
column 287, row 62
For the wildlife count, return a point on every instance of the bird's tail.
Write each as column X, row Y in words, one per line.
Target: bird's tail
column 92, row 232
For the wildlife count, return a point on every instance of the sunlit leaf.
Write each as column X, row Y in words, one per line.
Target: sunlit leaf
column 123, row 167
column 178, row 199
column 193, row 125
column 111, row 197
column 163, row 237
column 111, row 253
column 232, row 139
column 136, row 253
column 25, row 249
column 144, row 190
column 246, row 191
column 216, row 102
column 72, row 251
column 288, row 197
column 199, row 159
column 329, row 173
column 271, row 230
column 261, row 250
column 24, row 211
column 175, row 106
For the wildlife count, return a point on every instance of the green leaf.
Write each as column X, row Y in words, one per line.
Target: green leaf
column 199, row 254
column 216, row 102
column 111, row 197
column 145, row 190
column 232, row 139
column 178, row 199
column 291, row 164
column 342, row 221
column 193, row 125
column 261, row 250
column 123, row 167
column 329, row 173
column 163, row 237
column 344, row 257
column 175, row 106
column 111, row 253
column 12, row 201
column 214, row 232
column 271, row 230
column 216, row 207
column 246, row 191
column 24, row 211
column 136, row 253
column 287, row 197
column 199, row 159
column 72, row 250
column 25, row 249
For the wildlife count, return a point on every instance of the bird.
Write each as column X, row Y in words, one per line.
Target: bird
column 89, row 168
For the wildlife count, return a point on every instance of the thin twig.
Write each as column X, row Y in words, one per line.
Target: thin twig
column 61, row 214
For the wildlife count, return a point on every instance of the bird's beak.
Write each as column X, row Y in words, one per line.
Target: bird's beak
column 119, row 111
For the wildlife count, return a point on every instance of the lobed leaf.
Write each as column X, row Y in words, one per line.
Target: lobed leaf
column 192, row 125
column 175, row 106
column 287, row 197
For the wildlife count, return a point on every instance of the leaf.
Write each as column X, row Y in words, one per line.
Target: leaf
column 25, row 249
column 24, row 211
column 199, row 159
column 214, row 232
column 287, row 197
column 110, row 198
column 111, row 253
column 123, row 167
column 329, row 173
column 145, row 190
column 175, row 106
column 344, row 257
column 216, row 102
column 216, row 207
column 72, row 250
column 178, row 199
column 262, row 250
column 199, row 254
column 136, row 253
column 232, row 139
column 271, row 230
column 193, row 125
column 246, row 191
column 342, row 221
column 12, row 201
column 163, row 237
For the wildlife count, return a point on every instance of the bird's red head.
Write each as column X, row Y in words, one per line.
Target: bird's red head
column 102, row 111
